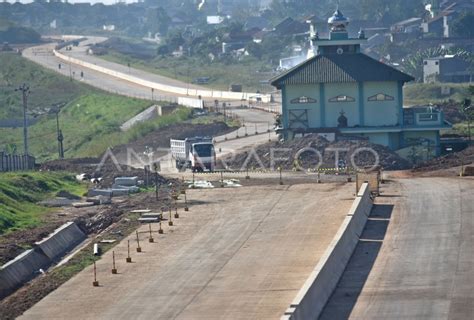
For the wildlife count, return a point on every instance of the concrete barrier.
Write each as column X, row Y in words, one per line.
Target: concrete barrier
column 26, row 266
column 166, row 88
column 20, row 270
column 322, row 281
column 61, row 241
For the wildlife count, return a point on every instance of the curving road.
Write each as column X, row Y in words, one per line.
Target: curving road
column 254, row 120
column 416, row 259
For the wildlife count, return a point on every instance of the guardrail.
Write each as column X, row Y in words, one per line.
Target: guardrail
column 163, row 87
column 316, row 291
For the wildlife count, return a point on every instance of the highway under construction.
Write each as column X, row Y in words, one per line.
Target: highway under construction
column 291, row 248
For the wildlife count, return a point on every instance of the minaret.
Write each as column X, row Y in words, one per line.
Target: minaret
column 339, row 41
column 338, row 26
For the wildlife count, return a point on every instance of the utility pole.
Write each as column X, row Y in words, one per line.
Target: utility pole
column 466, row 108
column 60, row 137
column 25, row 90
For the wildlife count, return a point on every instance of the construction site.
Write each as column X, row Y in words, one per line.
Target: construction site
column 201, row 220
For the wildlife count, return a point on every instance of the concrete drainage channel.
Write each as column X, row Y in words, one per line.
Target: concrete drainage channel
column 316, row 291
column 46, row 252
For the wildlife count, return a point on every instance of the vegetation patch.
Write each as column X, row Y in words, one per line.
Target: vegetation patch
column 425, row 93
column 90, row 119
column 19, row 193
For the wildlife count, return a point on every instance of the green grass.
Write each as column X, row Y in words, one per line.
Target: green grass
column 248, row 72
column 89, row 124
column 424, row 93
column 20, row 191
column 47, row 87
column 90, row 121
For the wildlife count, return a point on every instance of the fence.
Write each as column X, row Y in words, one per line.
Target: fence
column 10, row 162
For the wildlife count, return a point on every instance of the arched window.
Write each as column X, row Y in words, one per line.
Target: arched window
column 342, row 98
column 380, row 97
column 303, row 100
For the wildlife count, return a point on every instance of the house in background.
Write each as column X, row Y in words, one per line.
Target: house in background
column 449, row 68
column 344, row 92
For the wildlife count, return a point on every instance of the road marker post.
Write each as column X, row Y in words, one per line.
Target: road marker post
column 129, row 259
column 185, row 202
column 247, row 176
column 183, row 187
column 151, row 240
column 170, row 222
column 176, row 215
column 114, row 269
column 222, row 179
column 139, row 249
column 95, row 283
column 160, row 230
column 281, row 179
column 319, row 178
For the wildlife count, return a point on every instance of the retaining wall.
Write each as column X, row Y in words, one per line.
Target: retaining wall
column 20, row 270
column 163, row 87
column 26, row 266
column 61, row 240
column 316, row 291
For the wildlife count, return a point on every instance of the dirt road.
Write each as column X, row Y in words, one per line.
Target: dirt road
column 416, row 259
column 238, row 253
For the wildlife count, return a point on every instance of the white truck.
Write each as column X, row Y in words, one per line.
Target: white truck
column 196, row 153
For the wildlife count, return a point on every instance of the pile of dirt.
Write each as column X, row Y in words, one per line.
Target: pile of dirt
column 451, row 160
column 313, row 151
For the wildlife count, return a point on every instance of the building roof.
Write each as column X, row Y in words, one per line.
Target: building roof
column 333, row 68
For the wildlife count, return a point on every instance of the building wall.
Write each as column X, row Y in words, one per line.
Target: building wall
column 374, row 113
column 381, row 113
column 431, row 135
column 333, row 109
column 313, row 109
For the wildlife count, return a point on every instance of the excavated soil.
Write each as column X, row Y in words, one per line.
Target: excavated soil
column 302, row 151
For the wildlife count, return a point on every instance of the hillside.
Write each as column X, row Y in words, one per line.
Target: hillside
column 11, row 33
column 90, row 118
column 20, row 192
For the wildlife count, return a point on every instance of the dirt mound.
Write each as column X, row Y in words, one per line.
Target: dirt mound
column 448, row 161
column 312, row 151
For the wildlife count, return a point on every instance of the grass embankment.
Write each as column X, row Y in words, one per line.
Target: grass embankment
column 90, row 121
column 425, row 93
column 19, row 193
column 248, row 72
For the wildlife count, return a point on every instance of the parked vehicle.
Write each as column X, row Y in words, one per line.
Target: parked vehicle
column 196, row 153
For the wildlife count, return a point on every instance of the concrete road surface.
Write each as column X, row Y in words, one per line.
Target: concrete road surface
column 239, row 253
column 417, row 257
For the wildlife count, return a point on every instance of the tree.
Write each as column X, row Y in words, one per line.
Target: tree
column 463, row 26
column 413, row 64
column 158, row 20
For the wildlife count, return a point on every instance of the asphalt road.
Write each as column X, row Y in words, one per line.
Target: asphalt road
column 417, row 258
column 239, row 253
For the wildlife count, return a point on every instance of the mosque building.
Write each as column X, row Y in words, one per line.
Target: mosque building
column 342, row 92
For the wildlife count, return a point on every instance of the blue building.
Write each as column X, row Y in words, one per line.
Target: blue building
column 343, row 92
